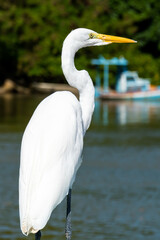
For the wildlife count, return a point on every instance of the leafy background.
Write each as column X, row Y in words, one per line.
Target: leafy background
column 32, row 33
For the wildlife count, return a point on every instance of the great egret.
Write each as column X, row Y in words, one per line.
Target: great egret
column 53, row 140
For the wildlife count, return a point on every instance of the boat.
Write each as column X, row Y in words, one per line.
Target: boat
column 129, row 86
column 138, row 95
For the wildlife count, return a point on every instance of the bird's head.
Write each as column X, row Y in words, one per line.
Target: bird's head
column 85, row 37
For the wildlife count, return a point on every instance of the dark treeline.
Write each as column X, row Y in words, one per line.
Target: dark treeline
column 32, row 33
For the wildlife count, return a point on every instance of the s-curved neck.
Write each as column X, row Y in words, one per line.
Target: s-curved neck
column 80, row 80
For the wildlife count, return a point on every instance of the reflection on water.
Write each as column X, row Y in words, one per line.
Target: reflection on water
column 126, row 112
column 117, row 192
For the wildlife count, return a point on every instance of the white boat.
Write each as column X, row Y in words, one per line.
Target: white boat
column 130, row 87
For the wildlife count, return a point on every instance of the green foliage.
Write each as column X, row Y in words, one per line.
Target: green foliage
column 32, row 33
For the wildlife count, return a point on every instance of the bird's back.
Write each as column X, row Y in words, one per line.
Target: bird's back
column 50, row 156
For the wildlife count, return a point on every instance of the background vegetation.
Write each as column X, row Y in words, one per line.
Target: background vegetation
column 32, row 33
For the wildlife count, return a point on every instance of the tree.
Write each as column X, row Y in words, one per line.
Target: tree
column 32, row 33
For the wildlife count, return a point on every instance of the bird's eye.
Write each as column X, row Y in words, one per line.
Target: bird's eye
column 91, row 35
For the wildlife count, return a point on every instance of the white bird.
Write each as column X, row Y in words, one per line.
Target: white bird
column 53, row 139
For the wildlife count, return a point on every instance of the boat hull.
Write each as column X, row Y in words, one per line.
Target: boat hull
column 139, row 95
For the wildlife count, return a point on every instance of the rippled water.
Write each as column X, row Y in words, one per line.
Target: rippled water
column 117, row 190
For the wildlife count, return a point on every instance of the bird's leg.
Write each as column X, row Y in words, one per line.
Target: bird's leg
column 38, row 235
column 68, row 229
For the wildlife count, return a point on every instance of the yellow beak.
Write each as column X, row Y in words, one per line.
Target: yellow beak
column 114, row 39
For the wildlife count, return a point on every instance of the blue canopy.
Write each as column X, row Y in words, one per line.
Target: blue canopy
column 121, row 64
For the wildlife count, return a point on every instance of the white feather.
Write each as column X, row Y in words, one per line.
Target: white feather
column 53, row 140
column 50, row 156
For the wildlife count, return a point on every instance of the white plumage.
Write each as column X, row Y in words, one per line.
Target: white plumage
column 51, row 151
column 53, row 140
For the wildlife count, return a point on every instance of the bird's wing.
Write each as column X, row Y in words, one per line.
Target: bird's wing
column 50, row 156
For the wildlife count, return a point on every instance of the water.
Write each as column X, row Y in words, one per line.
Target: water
column 117, row 190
